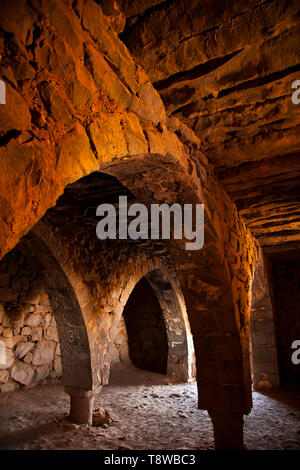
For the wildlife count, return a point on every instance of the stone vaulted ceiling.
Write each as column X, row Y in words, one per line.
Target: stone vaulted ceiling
column 225, row 68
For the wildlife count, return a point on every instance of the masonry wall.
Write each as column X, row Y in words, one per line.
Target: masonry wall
column 29, row 345
column 28, row 330
column 264, row 356
column 119, row 349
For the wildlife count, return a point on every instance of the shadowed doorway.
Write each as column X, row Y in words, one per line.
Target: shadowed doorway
column 146, row 330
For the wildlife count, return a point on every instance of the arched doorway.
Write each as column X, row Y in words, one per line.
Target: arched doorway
column 146, row 329
column 42, row 319
column 159, row 337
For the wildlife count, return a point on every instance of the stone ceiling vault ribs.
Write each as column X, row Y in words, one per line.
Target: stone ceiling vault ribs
column 196, row 72
column 77, row 207
column 226, row 71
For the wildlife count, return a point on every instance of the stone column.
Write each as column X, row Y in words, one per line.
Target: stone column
column 81, row 404
column 228, row 430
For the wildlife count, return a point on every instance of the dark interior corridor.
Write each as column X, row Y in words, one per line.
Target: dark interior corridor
column 286, row 289
column 147, row 337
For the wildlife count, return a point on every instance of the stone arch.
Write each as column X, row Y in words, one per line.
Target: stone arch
column 215, row 282
column 80, row 199
column 160, row 160
column 215, row 296
column 177, row 326
column 179, row 340
column 73, row 337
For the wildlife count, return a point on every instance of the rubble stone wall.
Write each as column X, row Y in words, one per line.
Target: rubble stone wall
column 264, row 355
column 28, row 326
column 119, row 349
column 29, row 343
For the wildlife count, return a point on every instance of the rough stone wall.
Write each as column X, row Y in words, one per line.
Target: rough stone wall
column 264, row 357
column 29, row 343
column 226, row 71
column 286, row 279
column 119, row 348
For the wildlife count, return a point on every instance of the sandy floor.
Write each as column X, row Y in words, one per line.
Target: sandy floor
column 148, row 413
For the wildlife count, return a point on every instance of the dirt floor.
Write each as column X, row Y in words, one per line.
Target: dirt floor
column 148, row 413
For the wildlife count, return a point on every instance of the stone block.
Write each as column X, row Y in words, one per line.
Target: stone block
column 14, row 317
column 22, row 373
column 23, row 348
column 30, row 297
column 33, row 319
column 28, row 358
column 43, row 352
column 36, row 334
column 58, row 366
column 42, row 308
column 46, row 321
column 26, row 331
column 6, row 356
column 7, row 332
column 4, row 375
column 9, row 387
column 51, row 333
column 44, row 299
column 12, row 342
column 29, row 308
column 42, row 372
column 106, row 79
